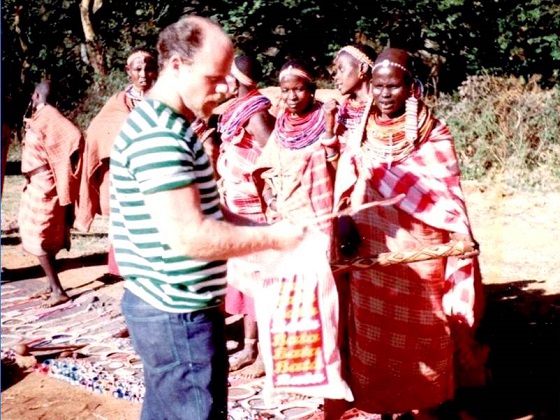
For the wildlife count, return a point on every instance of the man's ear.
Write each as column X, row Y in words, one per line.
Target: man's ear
column 175, row 62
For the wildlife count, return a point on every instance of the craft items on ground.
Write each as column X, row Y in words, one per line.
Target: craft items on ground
column 100, row 357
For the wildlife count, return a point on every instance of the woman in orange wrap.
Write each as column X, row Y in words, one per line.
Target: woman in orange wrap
column 294, row 172
column 141, row 67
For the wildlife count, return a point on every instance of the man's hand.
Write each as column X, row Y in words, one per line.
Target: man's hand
column 287, row 234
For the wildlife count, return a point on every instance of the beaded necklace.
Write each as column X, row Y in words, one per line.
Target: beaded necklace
column 239, row 112
column 386, row 140
column 350, row 113
column 299, row 131
column 133, row 95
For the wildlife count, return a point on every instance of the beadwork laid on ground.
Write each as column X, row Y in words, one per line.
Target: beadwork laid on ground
column 102, row 359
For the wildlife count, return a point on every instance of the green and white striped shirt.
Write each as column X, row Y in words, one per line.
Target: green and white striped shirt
column 157, row 150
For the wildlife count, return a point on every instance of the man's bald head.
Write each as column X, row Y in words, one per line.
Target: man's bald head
column 186, row 36
column 41, row 93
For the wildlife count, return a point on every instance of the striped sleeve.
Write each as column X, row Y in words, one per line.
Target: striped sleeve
column 156, row 151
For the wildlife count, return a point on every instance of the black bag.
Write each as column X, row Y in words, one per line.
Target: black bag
column 348, row 237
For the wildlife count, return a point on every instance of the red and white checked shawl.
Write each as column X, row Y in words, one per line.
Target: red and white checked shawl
column 400, row 345
column 430, row 180
column 300, row 180
column 239, row 152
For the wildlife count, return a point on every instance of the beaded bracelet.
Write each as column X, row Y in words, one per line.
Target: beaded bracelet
column 333, row 157
column 328, row 142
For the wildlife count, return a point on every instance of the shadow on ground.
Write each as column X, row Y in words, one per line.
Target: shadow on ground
column 522, row 328
column 35, row 271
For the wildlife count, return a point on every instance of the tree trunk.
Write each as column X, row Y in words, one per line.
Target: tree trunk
column 94, row 49
column 23, row 44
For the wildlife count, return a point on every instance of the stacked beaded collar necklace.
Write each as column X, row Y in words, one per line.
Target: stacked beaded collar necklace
column 386, row 140
column 133, row 95
column 239, row 112
column 350, row 113
column 297, row 131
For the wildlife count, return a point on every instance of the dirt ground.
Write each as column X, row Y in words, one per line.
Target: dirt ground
column 518, row 233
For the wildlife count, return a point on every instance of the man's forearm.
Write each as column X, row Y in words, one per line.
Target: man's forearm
column 218, row 240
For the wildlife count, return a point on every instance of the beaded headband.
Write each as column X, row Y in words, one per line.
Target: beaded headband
column 242, row 78
column 357, row 54
column 386, row 63
column 291, row 71
column 138, row 54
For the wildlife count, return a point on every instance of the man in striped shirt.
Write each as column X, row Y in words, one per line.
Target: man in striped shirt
column 171, row 242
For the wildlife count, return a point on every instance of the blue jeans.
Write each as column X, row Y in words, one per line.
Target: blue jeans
column 184, row 358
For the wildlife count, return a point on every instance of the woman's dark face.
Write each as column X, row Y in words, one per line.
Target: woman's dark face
column 390, row 91
column 143, row 73
column 295, row 93
column 346, row 73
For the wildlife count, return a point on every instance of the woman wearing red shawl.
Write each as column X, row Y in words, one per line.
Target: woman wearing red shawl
column 352, row 75
column 244, row 126
column 294, row 171
column 141, row 68
column 401, row 351
column 51, row 163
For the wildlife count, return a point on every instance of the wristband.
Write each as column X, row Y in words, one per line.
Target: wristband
column 333, row 157
column 328, row 142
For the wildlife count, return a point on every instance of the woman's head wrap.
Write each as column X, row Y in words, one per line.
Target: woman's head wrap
column 138, row 54
column 357, row 54
column 241, row 77
column 293, row 71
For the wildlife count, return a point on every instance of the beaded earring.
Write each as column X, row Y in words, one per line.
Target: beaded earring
column 411, row 112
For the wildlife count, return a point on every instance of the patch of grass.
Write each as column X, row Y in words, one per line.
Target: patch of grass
column 14, row 151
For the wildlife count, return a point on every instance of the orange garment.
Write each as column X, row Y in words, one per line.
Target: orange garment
column 51, row 161
column 100, row 135
column 300, row 180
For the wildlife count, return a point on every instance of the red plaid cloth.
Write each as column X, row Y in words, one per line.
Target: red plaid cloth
column 401, row 344
column 60, row 139
column 430, row 180
column 50, row 141
column 238, row 154
column 300, row 181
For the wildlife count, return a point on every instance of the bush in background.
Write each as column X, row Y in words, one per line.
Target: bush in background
column 96, row 96
column 505, row 128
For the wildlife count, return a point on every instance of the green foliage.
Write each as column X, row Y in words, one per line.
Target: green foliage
column 505, row 126
column 456, row 40
column 47, row 47
column 96, row 96
column 528, row 39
